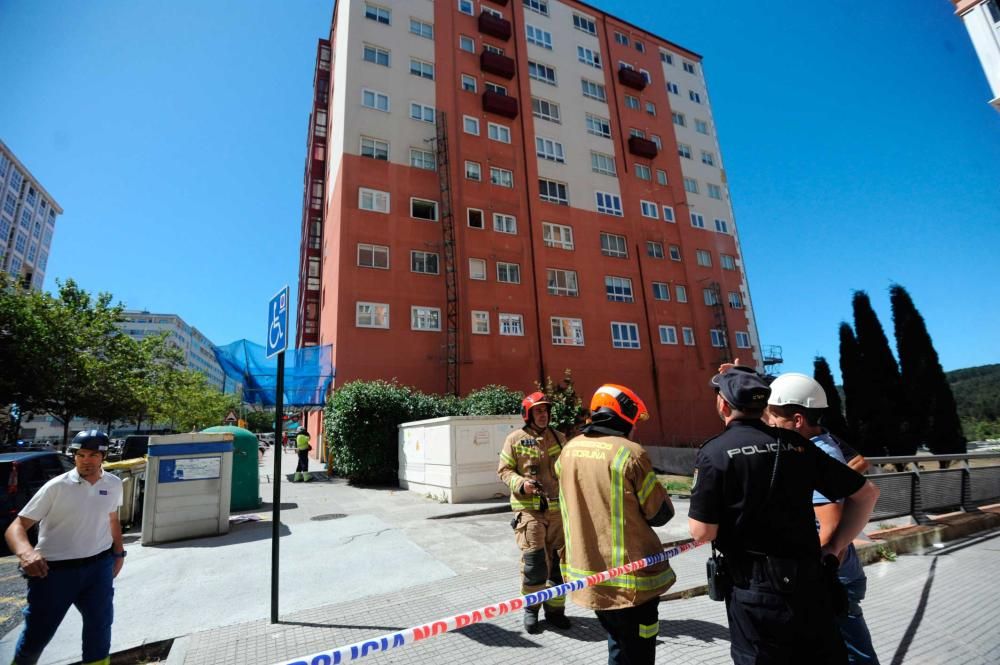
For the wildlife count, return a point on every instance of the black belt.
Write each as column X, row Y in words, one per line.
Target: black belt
column 784, row 574
column 76, row 563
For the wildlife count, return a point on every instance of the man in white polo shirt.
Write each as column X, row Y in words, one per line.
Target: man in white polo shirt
column 79, row 553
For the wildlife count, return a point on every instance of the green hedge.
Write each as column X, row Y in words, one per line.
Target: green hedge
column 361, row 420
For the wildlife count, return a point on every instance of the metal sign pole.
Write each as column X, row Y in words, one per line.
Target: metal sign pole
column 278, row 451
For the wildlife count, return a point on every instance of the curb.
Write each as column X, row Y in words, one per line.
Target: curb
column 489, row 510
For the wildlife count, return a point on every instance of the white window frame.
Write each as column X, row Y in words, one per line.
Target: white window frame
column 477, row 169
column 735, row 300
column 549, row 149
column 423, row 112
column 546, row 110
column 643, row 172
column 508, row 269
column 376, row 195
column 678, row 118
column 420, row 314
column 378, row 13
column 742, row 339
column 710, row 297
column 466, row 41
column 474, row 272
column 561, row 282
column 584, row 24
column 649, row 209
column 480, row 322
column 661, row 288
column 469, row 124
column 510, row 325
column 674, row 252
column 618, row 289
column 570, row 331
column 542, row 73
column 668, row 215
column 547, row 194
column 434, row 206
column 680, row 293
column 422, row 159
column 422, row 255
column 423, row 28
column 707, row 158
column 668, row 335
column 673, row 88
column 703, row 257
column 422, row 69
column 501, row 177
column 467, row 7
column 498, row 132
column 373, row 145
column 654, row 249
column 376, row 97
column 469, row 83
column 694, row 96
column 603, row 163
column 589, row 56
column 625, row 335
column 691, row 185
column 565, row 235
column 619, row 251
column 697, row 220
column 504, row 223
column 727, row 261
column 701, row 126
column 609, row 204
column 372, row 315
column 374, row 251
column 684, row 150
column 538, row 37
column 594, row 90
column 687, row 335
column 376, row 51
column 632, row 102
column 721, row 226
column 468, row 218
column 718, row 338
column 537, row 6
column 598, row 126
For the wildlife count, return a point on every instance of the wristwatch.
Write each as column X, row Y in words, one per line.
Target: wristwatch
column 119, row 555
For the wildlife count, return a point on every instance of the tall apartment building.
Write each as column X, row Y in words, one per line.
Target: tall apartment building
column 27, row 221
column 982, row 20
column 498, row 191
column 197, row 348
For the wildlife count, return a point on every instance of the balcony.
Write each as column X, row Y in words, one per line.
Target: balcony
column 494, row 102
column 494, row 26
column 641, row 147
column 502, row 3
column 631, row 78
column 494, row 63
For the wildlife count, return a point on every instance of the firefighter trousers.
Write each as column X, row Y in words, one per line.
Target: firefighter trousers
column 539, row 535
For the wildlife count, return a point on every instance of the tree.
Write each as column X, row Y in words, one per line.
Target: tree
column 855, row 398
column 260, row 421
column 884, row 391
column 930, row 405
column 568, row 413
column 833, row 417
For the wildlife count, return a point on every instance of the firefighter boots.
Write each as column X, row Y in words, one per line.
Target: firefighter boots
column 531, row 625
column 558, row 618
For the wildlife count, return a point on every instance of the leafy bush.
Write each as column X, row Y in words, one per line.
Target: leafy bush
column 568, row 412
column 492, row 401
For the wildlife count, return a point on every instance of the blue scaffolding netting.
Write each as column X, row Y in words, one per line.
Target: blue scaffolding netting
column 308, row 373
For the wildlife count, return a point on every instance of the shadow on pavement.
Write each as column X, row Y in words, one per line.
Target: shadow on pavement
column 310, row 624
column 706, row 631
column 491, row 635
column 918, row 616
column 238, row 533
column 266, row 507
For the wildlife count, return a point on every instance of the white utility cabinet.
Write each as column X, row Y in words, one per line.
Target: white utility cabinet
column 454, row 458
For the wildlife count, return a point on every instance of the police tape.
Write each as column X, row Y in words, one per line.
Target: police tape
column 369, row 647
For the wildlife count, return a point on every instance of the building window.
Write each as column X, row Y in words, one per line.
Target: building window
column 624, row 335
column 504, row 223
column 475, row 218
column 680, row 293
column 421, row 29
column 649, row 209
column 470, row 125
column 675, row 253
column 494, row 87
column 695, row 97
column 609, row 204
column 425, row 318
column 688, row 335
column 672, row 88
column 549, row 149
column 621, row 39
column 703, row 257
column 467, row 43
column 566, row 331
column 374, row 148
column 594, row 90
column 714, row 192
column 422, row 159
column 468, row 83
column 697, row 220
column 477, row 269
column 735, row 301
column 373, row 256
column 501, row 177
column 707, row 158
column 701, row 126
column 688, row 67
column 561, row 282
column 642, row 172
column 539, row 6
column 668, row 214
column 661, row 291
column 492, row 12
column 489, row 48
column 727, row 262
column 508, row 273
column 545, row 109
column 553, row 192
column 557, row 235
column 373, row 200
column 371, row 315
column 421, row 112
column 618, row 289
column 539, row 37
column 480, row 322
column 718, row 338
column 474, row 171
column 661, row 177
column 711, row 297
column 668, row 335
column 602, row 163
column 376, row 55
column 637, row 132
column 466, row 7
column 666, row 57
column 684, row 150
column 511, row 324
column 375, row 100
column 654, row 249
column 742, row 340
column 632, row 102
column 598, row 126
column 678, row 118
column 541, row 72
column 425, row 263
column 424, row 209
column 497, row 132
column 614, row 245
column 690, row 185
column 585, row 24
column 588, row 56
column 721, row 226
column 378, row 14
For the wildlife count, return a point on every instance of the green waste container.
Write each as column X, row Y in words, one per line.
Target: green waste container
column 245, row 493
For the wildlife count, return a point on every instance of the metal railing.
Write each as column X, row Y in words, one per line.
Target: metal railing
column 954, row 485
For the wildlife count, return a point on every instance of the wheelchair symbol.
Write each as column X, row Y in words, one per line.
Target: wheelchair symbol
column 275, row 334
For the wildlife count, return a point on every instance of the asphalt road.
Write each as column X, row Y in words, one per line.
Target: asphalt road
column 12, row 590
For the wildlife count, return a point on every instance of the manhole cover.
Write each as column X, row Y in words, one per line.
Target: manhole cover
column 329, row 516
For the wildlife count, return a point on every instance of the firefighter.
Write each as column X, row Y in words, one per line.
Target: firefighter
column 611, row 499
column 527, row 466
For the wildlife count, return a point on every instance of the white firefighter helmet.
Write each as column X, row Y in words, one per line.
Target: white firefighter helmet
column 793, row 388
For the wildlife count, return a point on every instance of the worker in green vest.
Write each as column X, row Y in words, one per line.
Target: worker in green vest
column 303, row 447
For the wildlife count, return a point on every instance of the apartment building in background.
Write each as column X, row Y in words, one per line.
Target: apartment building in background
column 982, row 20
column 27, row 221
column 496, row 192
column 197, row 349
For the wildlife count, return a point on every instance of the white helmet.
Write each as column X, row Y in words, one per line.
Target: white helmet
column 798, row 389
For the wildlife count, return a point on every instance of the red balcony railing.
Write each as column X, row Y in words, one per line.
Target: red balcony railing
column 505, row 105
column 642, row 147
column 631, row 78
column 494, row 26
column 494, row 63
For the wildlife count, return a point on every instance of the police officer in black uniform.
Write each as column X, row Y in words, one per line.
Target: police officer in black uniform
column 752, row 498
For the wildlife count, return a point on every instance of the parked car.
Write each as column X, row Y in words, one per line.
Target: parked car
column 23, row 474
column 136, row 445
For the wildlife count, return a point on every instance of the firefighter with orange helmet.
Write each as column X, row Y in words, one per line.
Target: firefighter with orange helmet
column 611, row 500
column 527, row 467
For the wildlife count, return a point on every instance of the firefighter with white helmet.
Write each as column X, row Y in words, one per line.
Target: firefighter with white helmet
column 302, row 447
column 527, row 467
column 611, row 499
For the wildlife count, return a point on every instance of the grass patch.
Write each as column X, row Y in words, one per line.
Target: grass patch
column 885, row 552
column 675, row 484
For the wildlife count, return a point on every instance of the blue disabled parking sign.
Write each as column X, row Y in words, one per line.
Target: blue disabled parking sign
column 277, row 323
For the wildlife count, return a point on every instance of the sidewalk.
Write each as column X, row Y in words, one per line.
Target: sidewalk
column 359, row 563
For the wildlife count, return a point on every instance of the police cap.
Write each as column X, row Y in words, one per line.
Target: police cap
column 742, row 388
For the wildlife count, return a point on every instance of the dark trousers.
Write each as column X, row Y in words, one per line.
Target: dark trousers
column 632, row 633
column 769, row 626
column 90, row 587
column 303, row 460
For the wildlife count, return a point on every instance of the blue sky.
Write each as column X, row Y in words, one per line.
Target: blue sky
column 858, row 144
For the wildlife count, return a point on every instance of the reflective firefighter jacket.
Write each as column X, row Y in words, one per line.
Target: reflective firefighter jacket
column 607, row 491
column 527, row 456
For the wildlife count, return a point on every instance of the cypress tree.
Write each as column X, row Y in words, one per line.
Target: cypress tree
column 931, row 412
column 856, row 402
column 883, row 386
column 833, row 418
